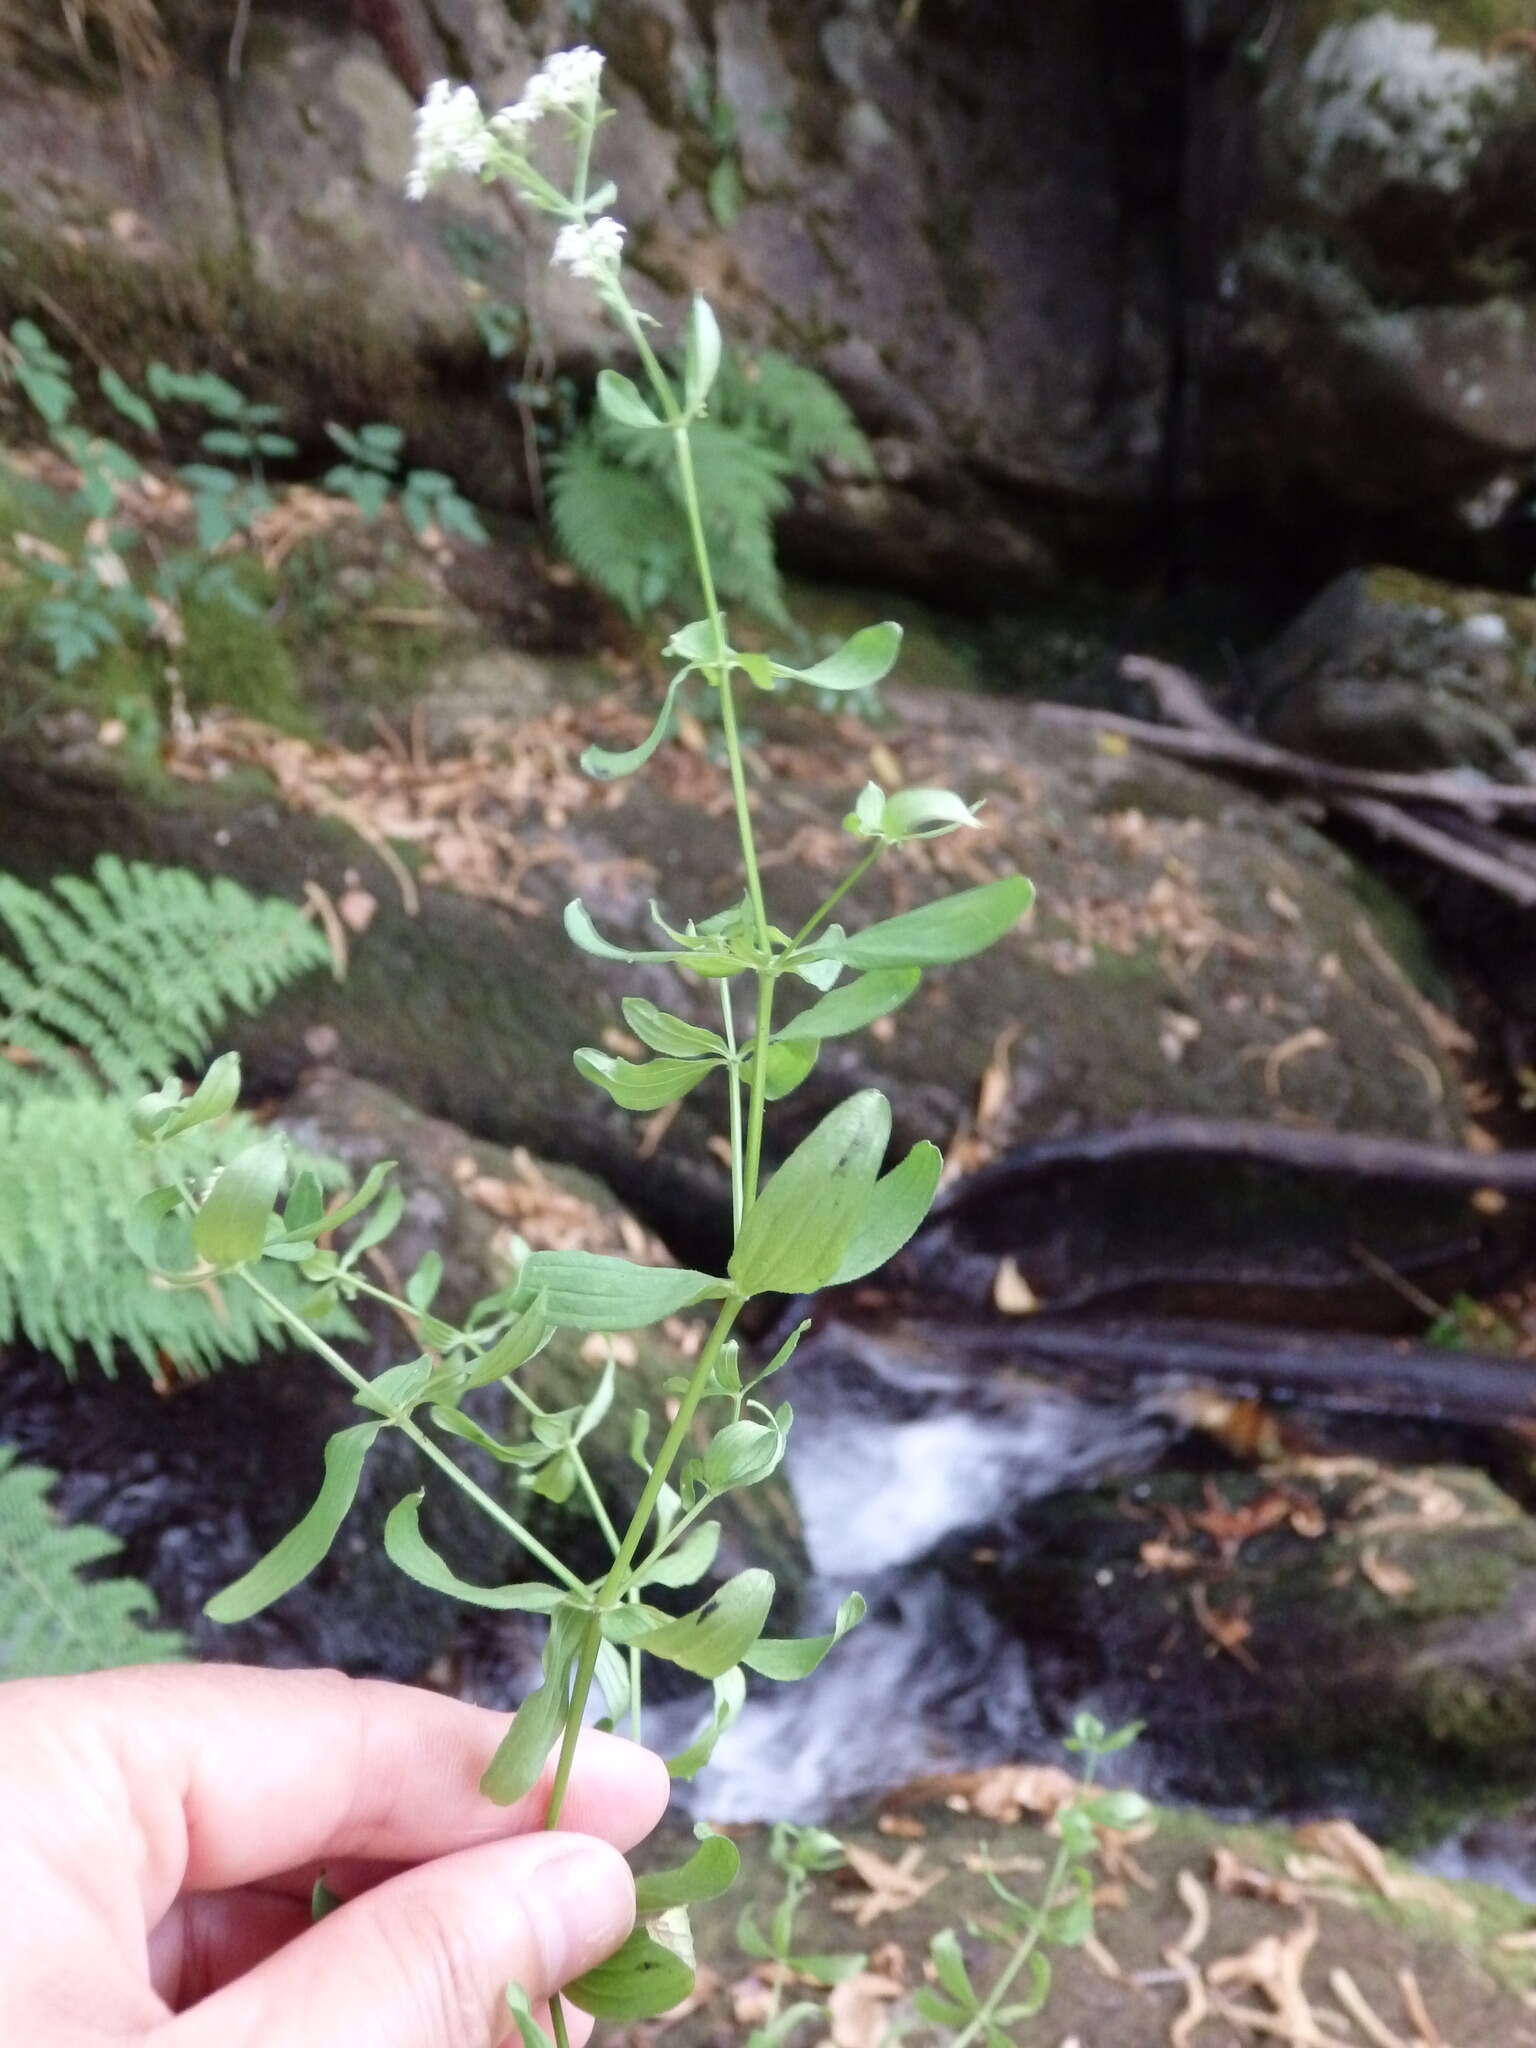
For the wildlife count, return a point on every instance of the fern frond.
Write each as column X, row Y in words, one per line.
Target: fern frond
column 54, row 1620
column 71, row 1172
column 130, row 973
column 620, row 527
column 615, row 498
column 785, row 406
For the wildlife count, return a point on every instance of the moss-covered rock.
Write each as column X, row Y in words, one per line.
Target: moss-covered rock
column 1388, row 669
column 1193, row 948
column 1304, row 1638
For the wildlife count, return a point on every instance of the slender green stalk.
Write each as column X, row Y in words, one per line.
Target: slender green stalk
column 738, row 1199
column 591, row 1644
column 982, row 2018
column 758, row 1100
column 418, row 1437
column 851, row 881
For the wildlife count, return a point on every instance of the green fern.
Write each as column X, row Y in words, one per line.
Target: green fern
column 53, row 1620
column 112, row 983
column 783, row 405
column 615, row 499
column 134, row 970
column 71, row 1172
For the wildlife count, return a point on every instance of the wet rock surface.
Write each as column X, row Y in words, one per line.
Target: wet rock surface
column 1333, row 1635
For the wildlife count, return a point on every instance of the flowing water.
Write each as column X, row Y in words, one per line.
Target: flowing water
column 894, row 1464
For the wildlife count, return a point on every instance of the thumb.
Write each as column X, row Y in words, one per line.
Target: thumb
column 422, row 1960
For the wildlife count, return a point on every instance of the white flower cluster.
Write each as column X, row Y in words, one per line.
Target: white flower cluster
column 590, row 248
column 451, row 135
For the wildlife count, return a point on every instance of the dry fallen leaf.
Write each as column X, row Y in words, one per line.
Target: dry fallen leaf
column 859, row 2009
column 892, row 1886
column 1389, row 1579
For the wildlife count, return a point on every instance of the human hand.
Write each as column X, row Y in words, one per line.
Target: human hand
column 161, row 1831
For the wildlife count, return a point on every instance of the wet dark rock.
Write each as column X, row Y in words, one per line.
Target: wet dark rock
column 1390, row 670
column 1319, row 1637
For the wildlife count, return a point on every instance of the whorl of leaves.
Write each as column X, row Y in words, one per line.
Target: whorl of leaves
column 53, row 1618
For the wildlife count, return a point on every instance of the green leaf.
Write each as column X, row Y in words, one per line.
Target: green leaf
column 215, row 1095
column 530, row 2033
column 701, row 354
column 421, row 1288
column 231, row 1226
column 789, row 1062
column 939, row 2011
column 582, row 932
column 687, row 1562
column 949, row 1967
column 144, row 1230
column 790, row 1657
column 897, row 1204
column 743, row 1454
column 514, row 1770
column 855, row 1005
column 518, row 1343
column 694, row 643
column 641, row 1982
column 836, row 1969
column 604, row 766
column 410, row 1551
column 708, row 1874
column 642, row 1085
column 861, row 661
column 730, row 1696
column 591, row 1291
column 619, row 399
column 952, row 929
column 663, row 1032
column 296, row 1556
column 925, row 814
column 322, row 1901
column 355, row 1204
column 797, row 1231
column 127, row 401
column 715, row 1636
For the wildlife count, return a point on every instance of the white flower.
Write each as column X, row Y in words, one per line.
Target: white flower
column 451, row 135
column 590, row 248
column 568, row 79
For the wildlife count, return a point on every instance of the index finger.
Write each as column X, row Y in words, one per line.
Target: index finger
column 228, row 1775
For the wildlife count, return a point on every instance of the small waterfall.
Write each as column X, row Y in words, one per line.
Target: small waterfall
column 895, row 1459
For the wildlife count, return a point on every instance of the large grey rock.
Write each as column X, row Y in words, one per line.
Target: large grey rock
column 942, row 220
column 1364, row 324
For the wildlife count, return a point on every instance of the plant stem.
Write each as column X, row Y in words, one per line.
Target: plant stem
column 586, row 1665
column 313, row 1341
column 981, row 2019
column 612, row 1587
column 837, row 895
column 758, row 1101
column 738, row 1203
